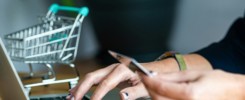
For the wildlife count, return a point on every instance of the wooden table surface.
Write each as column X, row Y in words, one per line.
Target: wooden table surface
column 62, row 72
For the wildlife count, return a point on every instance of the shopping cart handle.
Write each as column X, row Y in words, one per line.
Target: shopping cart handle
column 54, row 8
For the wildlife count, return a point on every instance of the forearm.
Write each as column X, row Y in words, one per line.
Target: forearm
column 193, row 62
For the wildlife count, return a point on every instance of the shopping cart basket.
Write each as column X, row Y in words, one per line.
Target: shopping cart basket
column 55, row 40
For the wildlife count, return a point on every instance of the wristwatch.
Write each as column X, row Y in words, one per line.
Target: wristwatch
column 177, row 56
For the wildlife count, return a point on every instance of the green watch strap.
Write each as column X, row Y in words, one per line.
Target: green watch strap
column 177, row 56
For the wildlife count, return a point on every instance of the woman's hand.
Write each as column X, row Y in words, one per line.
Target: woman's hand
column 196, row 85
column 118, row 75
column 132, row 87
column 107, row 79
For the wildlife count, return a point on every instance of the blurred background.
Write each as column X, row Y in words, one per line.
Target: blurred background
column 143, row 29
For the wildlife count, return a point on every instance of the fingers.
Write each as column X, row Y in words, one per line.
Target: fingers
column 82, row 88
column 172, row 85
column 112, row 80
column 155, row 96
column 89, row 80
column 134, row 92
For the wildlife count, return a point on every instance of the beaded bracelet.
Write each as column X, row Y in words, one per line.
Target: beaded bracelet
column 177, row 56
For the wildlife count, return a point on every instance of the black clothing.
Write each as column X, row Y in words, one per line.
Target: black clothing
column 229, row 53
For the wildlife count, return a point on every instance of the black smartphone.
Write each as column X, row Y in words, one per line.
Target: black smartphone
column 130, row 62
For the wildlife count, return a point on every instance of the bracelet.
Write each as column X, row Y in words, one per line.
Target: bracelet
column 177, row 56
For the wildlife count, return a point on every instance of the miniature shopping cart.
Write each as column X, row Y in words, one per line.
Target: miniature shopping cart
column 55, row 40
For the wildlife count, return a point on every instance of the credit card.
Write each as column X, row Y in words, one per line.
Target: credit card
column 130, row 62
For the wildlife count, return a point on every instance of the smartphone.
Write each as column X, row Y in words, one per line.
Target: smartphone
column 130, row 62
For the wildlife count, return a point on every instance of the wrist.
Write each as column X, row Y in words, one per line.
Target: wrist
column 193, row 62
column 197, row 62
column 166, row 65
column 177, row 56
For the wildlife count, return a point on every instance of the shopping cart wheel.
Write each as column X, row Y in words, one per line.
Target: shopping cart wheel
column 72, row 84
column 45, row 77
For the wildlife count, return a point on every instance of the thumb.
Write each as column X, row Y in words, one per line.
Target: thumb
column 183, row 76
column 134, row 92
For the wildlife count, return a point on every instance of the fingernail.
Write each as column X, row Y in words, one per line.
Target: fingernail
column 153, row 73
column 68, row 97
column 125, row 96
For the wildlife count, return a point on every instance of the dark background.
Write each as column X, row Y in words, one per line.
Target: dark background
column 138, row 28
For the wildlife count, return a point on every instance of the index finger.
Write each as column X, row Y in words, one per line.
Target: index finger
column 119, row 74
column 89, row 80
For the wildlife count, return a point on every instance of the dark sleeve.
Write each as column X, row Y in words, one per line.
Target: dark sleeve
column 229, row 53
